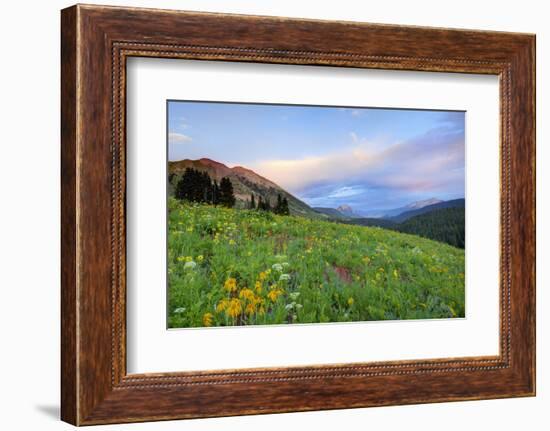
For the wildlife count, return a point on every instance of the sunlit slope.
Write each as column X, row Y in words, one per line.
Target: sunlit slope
column 243, row 267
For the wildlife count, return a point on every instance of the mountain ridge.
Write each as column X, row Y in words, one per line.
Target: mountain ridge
column 245, row 182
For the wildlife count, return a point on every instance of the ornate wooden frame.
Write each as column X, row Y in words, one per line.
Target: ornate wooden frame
column 95, row 42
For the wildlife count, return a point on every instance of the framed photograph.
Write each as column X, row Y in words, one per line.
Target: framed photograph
column 265, row 215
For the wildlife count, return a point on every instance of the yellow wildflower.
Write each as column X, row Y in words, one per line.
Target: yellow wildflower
column 234, row 308
column 258, row 286
column 222, row 305
column 350, row 301
column 207, row 319
column 262, row 276
column 200, row 258
column 274, row 294
column 185, row 258
column 230, row 284
column 246, row 294
column 250, row 309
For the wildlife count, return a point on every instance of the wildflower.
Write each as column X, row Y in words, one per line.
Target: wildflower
column 246, row 294
column 180, row 310
column 250, row 309
column 285, row 264
column 207, row 319
column 274, row 294
column 258, row 286
column 294, row 295
column 289, row 306
column 277, row 267
column 350, row 301
column 185, row 258
column 222, row 305
column 230, row 285
column 190, row 265
column 234, row 308
column 262, row 276
column 284, row 277
column 200, row 258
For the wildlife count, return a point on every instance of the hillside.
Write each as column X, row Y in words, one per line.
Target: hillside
column 230, row 267
column 410, row 207
column 245, row 182
column 455, row 203
column 445, row 225
column 331, row 213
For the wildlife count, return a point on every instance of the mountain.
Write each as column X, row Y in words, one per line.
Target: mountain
column 346, row 210
column 331, row 213
column 455, row 203
column 421, row 204
column 343, row 212
column 245, row 182
column 409, row 207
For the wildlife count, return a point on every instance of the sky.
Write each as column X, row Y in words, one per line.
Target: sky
column 368, row 158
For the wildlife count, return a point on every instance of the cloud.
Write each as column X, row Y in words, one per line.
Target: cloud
column 178, row 138
column 432, row 163
column 354, row 112
column 346, row 191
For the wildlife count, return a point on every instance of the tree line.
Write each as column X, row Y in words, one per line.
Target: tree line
column 445, row 225
column 281, row 207
column 197, row 186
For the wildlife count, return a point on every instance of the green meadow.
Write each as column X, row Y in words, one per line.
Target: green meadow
column 231, row 266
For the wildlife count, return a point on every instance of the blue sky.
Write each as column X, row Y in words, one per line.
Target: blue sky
column 367, row 158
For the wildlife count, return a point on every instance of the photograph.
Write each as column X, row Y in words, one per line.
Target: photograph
column 296, row 214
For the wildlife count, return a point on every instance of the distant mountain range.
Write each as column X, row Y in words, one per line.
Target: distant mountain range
column 439, row 204
column 245, row 182
column 342, row 212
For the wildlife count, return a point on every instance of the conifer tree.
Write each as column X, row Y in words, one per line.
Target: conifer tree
column 284, row 207
column 227, row 197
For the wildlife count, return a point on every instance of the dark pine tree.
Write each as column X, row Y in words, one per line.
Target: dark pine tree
column 260, row 203
column 252, row 202
column 279, row 206
column 227, row 196
column 215, row 193
column 284, row 207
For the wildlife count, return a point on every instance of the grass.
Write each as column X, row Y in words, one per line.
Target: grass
column 244, row 267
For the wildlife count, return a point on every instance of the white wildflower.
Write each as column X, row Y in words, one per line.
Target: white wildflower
column 190, row 265
column 294, row 295
column 277, row 267
column 284, row 277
